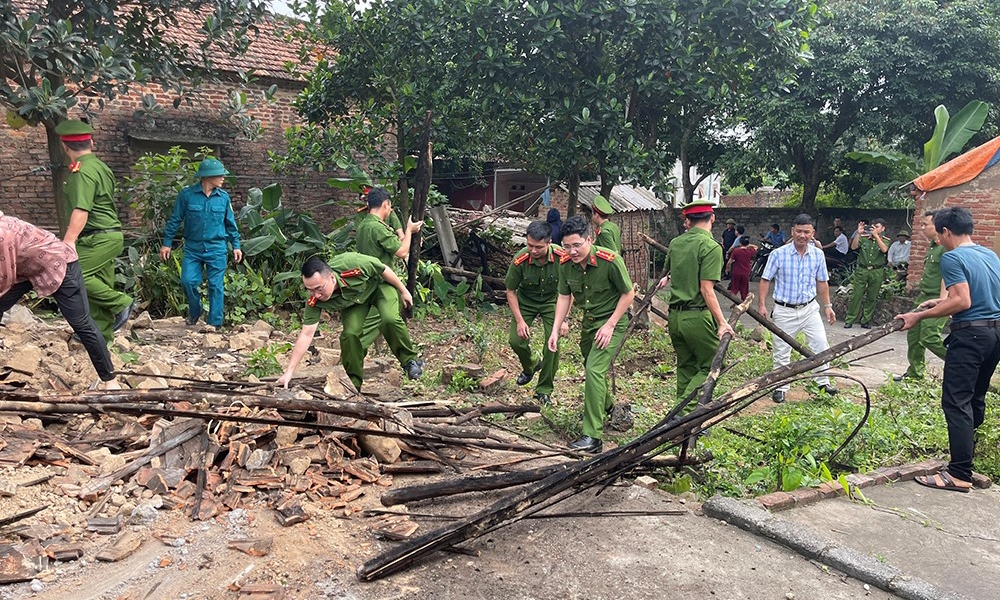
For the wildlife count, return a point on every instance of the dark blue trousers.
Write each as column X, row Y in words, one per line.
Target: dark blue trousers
column 973, row 354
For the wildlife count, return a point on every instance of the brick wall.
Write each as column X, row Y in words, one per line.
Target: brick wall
column 982, row 197
column 758, row 220
column 758, row 199
column 120, row 139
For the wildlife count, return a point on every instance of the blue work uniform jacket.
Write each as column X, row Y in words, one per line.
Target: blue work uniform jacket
column 208, row 220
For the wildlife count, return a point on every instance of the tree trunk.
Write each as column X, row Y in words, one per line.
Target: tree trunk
column 422, row 188
column 574, row 191
column 403, row 197
column 606, row 186
column 810, row 186
column 59, row 174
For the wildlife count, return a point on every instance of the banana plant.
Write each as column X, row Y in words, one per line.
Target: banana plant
column 951, row 134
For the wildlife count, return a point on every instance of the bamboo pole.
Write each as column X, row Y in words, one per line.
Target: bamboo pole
column 767, row 323
column 585, row 473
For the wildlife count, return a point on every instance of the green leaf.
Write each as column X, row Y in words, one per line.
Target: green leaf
column 298, row 247
column 286, row 276
column 255, row 197
column 271, row 197
column 792, row 479
column 256, row 245
column 934, row 146
column 963, row 126
column 757, row 475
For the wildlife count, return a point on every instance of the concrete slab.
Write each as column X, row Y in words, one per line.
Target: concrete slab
column 949, row 539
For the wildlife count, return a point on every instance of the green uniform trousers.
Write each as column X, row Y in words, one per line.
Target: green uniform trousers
column 867, row 283
column 373, row 327
column 522, row 347
column 352, row 319
column 97, row 261
column 695, row 337
column 926, row 334
column 597, row 399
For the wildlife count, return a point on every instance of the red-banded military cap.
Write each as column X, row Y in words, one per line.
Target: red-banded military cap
column 701, row 207
column 74, row 131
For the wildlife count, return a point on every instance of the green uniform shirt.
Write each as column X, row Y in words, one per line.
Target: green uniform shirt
column 92, row 188
column 609, row 236
column 536, row 283
column 358, row 276
column 694, row 257
column 597, row 284
column 930, row 280
column 376, row 238
column 869, row 254
column 393, row 221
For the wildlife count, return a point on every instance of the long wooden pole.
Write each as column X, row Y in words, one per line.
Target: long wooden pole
column 762, row 319
column 514, row 506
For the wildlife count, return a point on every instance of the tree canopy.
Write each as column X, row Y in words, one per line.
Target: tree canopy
column 879, row 68
column 612, row 89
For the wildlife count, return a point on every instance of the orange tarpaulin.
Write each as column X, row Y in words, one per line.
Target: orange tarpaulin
column 962, row 168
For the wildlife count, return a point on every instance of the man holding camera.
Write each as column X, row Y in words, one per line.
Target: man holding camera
column 871, row 247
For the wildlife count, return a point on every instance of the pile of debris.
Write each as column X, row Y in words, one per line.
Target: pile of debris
column 203, row 447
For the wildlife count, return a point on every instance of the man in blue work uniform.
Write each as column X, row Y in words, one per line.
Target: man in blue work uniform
column 209, row 226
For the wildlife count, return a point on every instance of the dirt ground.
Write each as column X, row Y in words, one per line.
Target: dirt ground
column 682, row 556
column 593, row 553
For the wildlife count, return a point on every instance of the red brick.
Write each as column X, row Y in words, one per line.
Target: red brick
column 803, row 496
column 831, row 489
column 776, row 501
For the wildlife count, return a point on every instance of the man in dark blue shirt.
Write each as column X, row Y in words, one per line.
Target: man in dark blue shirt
column 775, row 236
column 971, row 275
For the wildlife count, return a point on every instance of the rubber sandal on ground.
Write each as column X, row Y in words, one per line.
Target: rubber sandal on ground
column 942, row 481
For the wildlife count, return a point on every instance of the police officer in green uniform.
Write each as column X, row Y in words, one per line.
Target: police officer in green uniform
column 596, row 280
column 376, row 238
column 94, row 230
column 694, row 265
column 869, row 274
column 607, row 234
column 371, row 329
column 532, row 288
column 926, row 334
column 350, row 284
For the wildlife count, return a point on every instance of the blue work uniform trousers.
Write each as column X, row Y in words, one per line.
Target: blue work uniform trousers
column 201, row 259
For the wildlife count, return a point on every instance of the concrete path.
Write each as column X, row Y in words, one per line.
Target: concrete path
column 921, row 544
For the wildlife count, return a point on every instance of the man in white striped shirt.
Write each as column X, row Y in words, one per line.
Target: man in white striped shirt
column 799, row 273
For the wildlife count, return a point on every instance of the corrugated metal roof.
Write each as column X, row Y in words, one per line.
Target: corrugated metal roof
column 624, row 198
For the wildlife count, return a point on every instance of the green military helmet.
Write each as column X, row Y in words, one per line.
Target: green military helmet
column 211, row 167
column 74, row 131
column 602, row 205
column 903, row 233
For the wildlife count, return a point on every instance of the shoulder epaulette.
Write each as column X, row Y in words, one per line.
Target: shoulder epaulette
column 608, row 256
column 559, row 251
column 564, row 258
column 520, row 259
column 352, row 273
